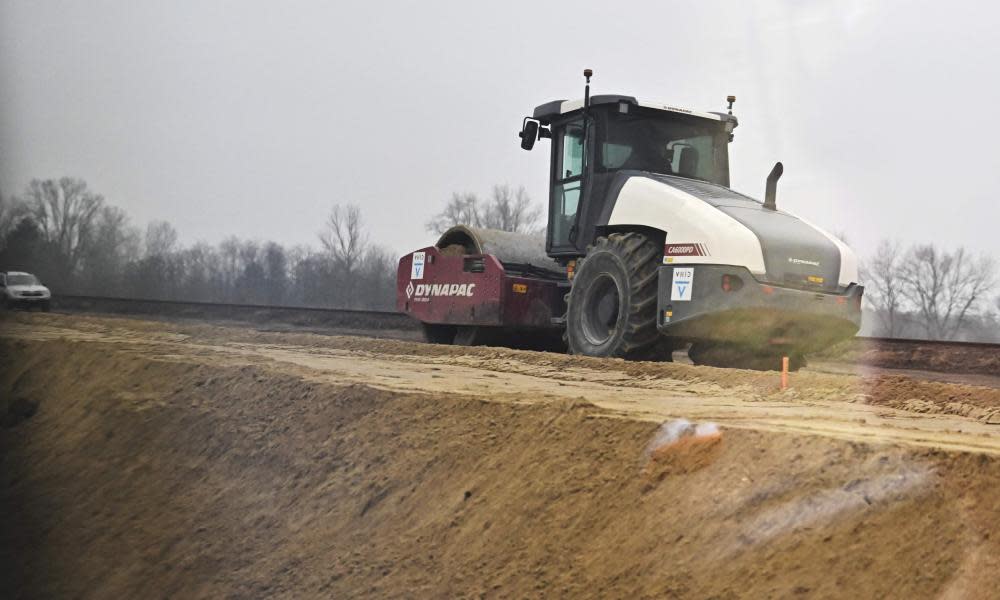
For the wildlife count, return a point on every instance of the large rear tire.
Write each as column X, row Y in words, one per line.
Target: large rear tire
column 611, row 307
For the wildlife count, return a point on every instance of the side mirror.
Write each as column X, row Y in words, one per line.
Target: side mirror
column 529, row 133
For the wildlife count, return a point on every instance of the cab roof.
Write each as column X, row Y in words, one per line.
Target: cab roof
column 551, row 110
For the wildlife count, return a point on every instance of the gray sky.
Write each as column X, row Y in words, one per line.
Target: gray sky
column 254, row 117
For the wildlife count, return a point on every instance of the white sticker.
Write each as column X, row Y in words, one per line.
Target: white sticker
column 417, row 266
column 680, row 289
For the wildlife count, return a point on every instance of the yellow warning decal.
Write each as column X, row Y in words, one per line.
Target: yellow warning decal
column 815, row 279
column 520, row 288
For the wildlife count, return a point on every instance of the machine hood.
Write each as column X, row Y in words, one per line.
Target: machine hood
column 796, row 254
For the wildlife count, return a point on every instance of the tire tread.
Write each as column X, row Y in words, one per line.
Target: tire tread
column 640, row 255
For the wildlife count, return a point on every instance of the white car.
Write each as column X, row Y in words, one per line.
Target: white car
column 25, row 290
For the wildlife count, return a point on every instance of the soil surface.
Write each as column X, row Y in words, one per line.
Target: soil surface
column 925, row 356
column 957, row 363
column 152, row 459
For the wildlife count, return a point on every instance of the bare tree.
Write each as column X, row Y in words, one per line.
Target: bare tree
column 946, row 287
column 510, row 210
column 507, row 210
column 251, row 282
column 161, row 238
column 275, row 273
column 64, row 211
column 461, row 209
column 993, row 320
column 12, row 211
column 378, row 270
column 884, row 286
column 228, row 266
column 26, row 250
column 199, row 272
column 115, row 244
column 344, row 237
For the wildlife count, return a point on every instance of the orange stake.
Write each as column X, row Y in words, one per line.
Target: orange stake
column 784, row 372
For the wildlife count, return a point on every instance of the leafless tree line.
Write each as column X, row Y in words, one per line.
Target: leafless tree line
column 506, row 209
column 78, row 243
column 932, row 292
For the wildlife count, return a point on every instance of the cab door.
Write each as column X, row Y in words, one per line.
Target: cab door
column 567, row 178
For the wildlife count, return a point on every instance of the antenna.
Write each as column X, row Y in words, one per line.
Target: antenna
column 584, row 179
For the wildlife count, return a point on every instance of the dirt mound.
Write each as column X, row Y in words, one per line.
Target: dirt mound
column 934, row 397
column 912, row 354
column 889, row 408
column 187, row 478
column 453, row 250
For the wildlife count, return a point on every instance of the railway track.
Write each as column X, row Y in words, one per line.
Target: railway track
column 912, row 354
column 920, row 342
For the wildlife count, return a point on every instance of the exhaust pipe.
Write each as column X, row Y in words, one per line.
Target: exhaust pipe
column 771, row 191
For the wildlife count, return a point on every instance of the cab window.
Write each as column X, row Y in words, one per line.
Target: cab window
column 667, row 144
column 566, row 187
column 571, row 153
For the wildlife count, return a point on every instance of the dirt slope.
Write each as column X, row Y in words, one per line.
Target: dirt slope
column 187, row 464
column 879, row 408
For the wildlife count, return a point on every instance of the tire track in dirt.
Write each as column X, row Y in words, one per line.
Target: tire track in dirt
column 818, row 404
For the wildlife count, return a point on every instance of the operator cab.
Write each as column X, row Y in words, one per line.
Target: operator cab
column 597, row 145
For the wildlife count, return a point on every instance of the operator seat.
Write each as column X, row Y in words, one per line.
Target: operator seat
column 647, row 157
column 688, row 162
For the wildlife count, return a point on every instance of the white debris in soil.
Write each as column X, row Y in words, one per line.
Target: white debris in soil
column 671, row 431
